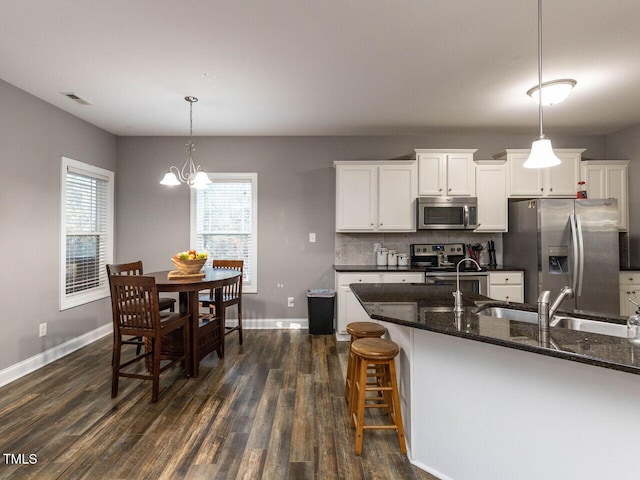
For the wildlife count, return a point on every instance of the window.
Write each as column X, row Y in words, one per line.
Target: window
column 86, row 232
column 224, row 221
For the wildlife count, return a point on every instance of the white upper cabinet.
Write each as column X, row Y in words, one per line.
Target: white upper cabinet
column 558, row 181
column 491, row 190
column 608, row 179
column 445, row 172
column 376, row 196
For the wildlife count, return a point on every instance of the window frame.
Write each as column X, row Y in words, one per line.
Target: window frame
column 247, row 287
column 75, row 299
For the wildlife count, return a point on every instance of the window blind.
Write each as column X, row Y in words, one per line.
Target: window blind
column 86, row 210
column 225, row 219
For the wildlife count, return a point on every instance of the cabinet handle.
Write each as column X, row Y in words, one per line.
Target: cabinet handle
column 507, row 297
column 372, row 224
column 551, row 189
column 450, row 189
column 381, row 223
column 506, row 280
column 542, row 189
column 439, row 189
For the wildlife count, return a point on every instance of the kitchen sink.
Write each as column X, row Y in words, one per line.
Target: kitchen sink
column 509, row 313
column 562, row 321
column 592, row 326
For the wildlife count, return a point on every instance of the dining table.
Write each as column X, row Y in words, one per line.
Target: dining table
column 188, row 288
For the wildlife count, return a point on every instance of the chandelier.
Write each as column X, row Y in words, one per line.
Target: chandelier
column 541, row 155
column 190, row 173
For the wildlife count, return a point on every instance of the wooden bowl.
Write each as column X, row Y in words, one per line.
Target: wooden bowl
column 189, row 266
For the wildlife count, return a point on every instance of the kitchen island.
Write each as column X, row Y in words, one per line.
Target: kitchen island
column 483, row 399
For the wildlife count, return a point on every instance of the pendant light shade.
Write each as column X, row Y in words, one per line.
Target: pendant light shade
column 541, row 155
column 553, row 92
column 170, row 179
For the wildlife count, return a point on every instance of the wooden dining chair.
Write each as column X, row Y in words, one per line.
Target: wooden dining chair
column 231, row 295
column 134, row 302
column 135, row 268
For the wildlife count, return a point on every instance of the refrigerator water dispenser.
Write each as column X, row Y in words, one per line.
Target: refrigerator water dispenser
column 558, row 260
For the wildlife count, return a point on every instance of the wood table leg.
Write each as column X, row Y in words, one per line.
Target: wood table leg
column 194, row 309
column 220, row 312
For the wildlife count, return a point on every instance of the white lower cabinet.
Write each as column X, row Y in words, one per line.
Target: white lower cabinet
column 349, row 308
column 629, row 290
column 506, row 286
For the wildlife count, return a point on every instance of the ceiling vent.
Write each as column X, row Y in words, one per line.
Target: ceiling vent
column 76, row 98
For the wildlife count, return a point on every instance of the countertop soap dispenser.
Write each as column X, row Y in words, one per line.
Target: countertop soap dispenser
column 633, row 326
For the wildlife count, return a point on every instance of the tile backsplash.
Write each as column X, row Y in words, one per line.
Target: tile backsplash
column 357, row 248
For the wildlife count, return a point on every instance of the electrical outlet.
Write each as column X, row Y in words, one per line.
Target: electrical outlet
column 312, row 238
column 290, row 302
column 43, row 329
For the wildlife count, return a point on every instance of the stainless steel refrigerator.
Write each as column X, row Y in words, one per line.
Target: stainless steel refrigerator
column 567, row 242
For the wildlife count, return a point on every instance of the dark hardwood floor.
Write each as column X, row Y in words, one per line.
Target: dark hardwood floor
column 272, row 409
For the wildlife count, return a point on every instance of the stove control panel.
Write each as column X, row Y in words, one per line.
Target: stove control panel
column 429, row 249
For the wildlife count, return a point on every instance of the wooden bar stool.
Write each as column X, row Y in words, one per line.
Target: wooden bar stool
column 359, row 330
column 374, row 358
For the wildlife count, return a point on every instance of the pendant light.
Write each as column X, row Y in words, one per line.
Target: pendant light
column 541, row 155
column 554, row 91
column 189, row 174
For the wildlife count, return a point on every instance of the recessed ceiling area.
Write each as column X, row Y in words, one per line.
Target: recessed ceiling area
column 349, row 67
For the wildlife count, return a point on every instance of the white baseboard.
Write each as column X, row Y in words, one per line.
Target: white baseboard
column 32, row 364
column 273, row 323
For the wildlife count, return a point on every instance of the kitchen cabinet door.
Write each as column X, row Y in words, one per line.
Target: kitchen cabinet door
column 506, row 286
column 397, row 185
column 460, row 175
column 629, row 290
column 356, row 198
column 524, row 182
column 558, row 181
column 349, row 310
column 608, row 179
column 431, row 174
column 491, row 190
column 562, row 180
column 445, row 173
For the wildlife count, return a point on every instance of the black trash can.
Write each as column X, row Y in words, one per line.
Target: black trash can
column 320, row 304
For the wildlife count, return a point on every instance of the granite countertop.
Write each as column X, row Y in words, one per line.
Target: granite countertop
column 377, row 268
column 430, row 307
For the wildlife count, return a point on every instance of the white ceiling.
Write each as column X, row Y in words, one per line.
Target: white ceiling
column 325, row 67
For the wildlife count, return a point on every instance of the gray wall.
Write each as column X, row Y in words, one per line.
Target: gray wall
column 33, row 137
column 296, row 195
column 625, row 145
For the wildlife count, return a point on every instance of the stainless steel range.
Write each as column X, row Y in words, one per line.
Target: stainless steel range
column 440, row 260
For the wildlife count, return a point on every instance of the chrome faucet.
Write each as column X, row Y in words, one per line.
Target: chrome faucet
column 546, row 312
column 457, row 295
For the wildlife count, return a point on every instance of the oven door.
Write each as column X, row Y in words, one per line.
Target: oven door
column 470, row 282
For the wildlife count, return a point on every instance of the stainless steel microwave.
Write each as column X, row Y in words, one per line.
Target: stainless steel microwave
column 447, row 213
